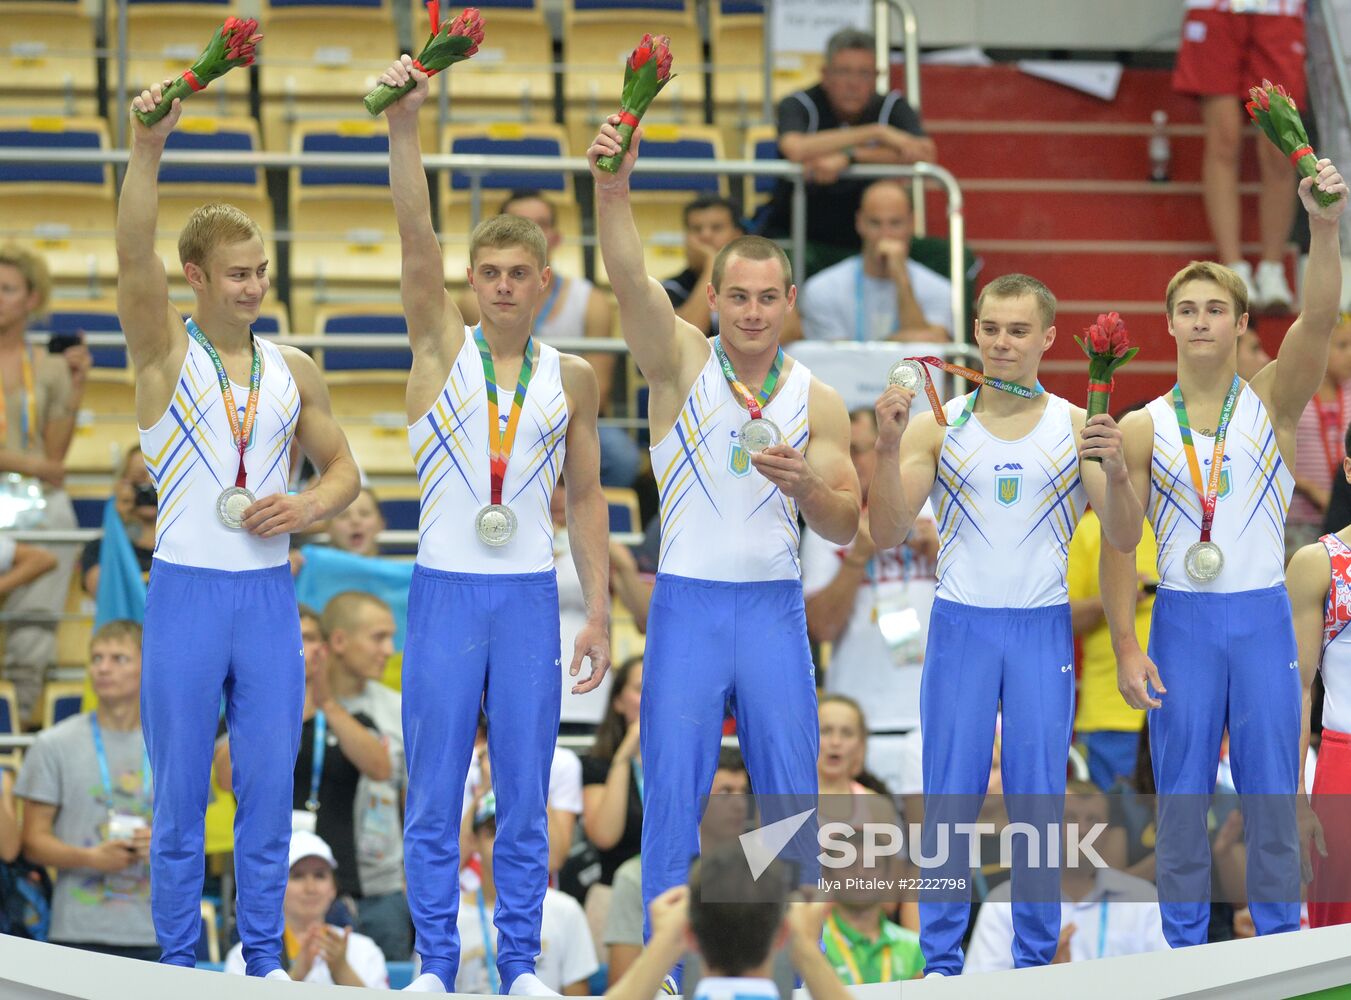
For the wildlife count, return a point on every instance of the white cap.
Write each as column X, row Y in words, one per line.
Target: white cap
column 309, row 845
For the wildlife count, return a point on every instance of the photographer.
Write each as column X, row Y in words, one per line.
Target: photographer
column 137, row 505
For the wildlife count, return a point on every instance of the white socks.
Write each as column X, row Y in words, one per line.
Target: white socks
column 527, row 984
column 278, row 975
column 428, row 982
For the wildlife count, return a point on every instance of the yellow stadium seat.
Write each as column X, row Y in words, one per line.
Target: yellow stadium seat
column 47, row 58
column 736, row 42
column 61, row 699
column 65, row 211
column 316, row 51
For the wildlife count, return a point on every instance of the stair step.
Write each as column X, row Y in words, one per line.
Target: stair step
column 1006, row 93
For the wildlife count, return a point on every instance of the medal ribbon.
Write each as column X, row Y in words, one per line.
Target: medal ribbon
column 240, row 434
column 754, row 401
column 1209, row 493
column 847, row 955
column 29, row 415
column 499, row 441
column 106, row 775
column 971, row 375
column 1331, row 427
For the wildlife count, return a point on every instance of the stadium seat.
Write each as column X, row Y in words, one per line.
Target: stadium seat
column 10, row 724
column 623, row 504
column 506, row 139
column 64, row 210
column 200, row 134
column 369, row 320
column 316, row 49
column 736, row 43
column 91, row 317
column 47, row 58
column 599, row 35
column 346, row 239
column 60, row 700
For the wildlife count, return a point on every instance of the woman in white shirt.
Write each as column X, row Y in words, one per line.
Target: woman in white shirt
column 316, row 952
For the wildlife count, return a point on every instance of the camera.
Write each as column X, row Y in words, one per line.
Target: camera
column 144, row 495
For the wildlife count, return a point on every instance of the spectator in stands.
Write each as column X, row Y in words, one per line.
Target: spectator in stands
column 623, row 937
column 1107, row 727
column 336, row 749
column 21, row 563
column 315, row 951
column 880, row 294
column 1252, row 356
column 86, row 787
column 839, row 122
column 571, row 308
column 861, row 943
column 567, row 958
column 872, row 607
column 1318, row 445
column 564, row 798
column 1226, row 48
column 1104, row 912
column 137, row 505
column 711, row 222
column 357, row 528
column 735, row 940
column 612, row 775
column 40, row 395
column 358, row 634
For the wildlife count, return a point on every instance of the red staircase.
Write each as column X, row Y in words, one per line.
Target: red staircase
column 1056, row 186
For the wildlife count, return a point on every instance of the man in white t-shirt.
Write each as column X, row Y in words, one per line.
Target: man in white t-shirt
column 1103, row 912
column 567, row 957
column 880, row 294
column 873, row 607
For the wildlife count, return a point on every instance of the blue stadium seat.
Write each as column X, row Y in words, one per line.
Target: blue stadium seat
column 685, row 142
column 76, row 320
column 632, row 6
column 44, row 134
column 88, row 511
column 391, row 323
column 510, row 140
column 209, row 135
column 400, row 515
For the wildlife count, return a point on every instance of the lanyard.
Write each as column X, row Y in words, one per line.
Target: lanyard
column 1331, row 427
column 239, row 434
column 489, row 952
column 1209, row 493
column 971, row 375
column 1102, row 928
column 847, row 956
column 543, row 315
column 754, row 401
column 317, row 760
column 637, row 767
column 106, row 775
column 28, row 416
column 499, row 441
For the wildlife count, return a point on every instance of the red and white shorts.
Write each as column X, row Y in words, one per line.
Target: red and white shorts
column 1226, row 53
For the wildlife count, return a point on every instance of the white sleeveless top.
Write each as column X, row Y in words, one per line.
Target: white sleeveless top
column 192, row 456
column 1336, row 664
column 450, row 451
column 1006, row 511
column 568, row 318
column 1254, row 495
column 720, row 519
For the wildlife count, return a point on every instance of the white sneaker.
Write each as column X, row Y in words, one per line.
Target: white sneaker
column 1273, row 292
column 428, row 982
column 1244, row 270
column 278, row 975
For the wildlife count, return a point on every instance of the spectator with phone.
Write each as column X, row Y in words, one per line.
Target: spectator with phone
column 40, row 395
column 136, row 505
column 86, row 788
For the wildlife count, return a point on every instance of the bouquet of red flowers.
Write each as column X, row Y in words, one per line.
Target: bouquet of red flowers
column 233, row 44
column 450, row 42
column 1275, row 113
column 648, row 70
column 1107, row 346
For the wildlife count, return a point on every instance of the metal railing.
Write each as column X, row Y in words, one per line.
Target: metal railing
column 477, row 165
column 910, row 42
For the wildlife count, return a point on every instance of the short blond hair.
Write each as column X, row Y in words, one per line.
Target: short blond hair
column 751, row 248
column 1015, row 286
column 342, row 610
column 213, row 226
column 33, row 267
column 1207, row 270
column 117, row 629
column 502, row 231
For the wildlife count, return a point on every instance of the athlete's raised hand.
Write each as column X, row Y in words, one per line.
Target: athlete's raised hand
column 146, row 101
column 396, row 76
column 1328, row 180
column 608, row 143
column 893, row 416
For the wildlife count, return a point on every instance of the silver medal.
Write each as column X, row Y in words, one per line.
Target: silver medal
column 907, row 374
column 758, row 434
column 231, row 504
column 495, row 524
column 1204, row 561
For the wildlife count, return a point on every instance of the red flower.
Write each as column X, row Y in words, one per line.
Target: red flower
column 663, row 57
column 240, row 39
column 639, row 57
column 468, row 25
